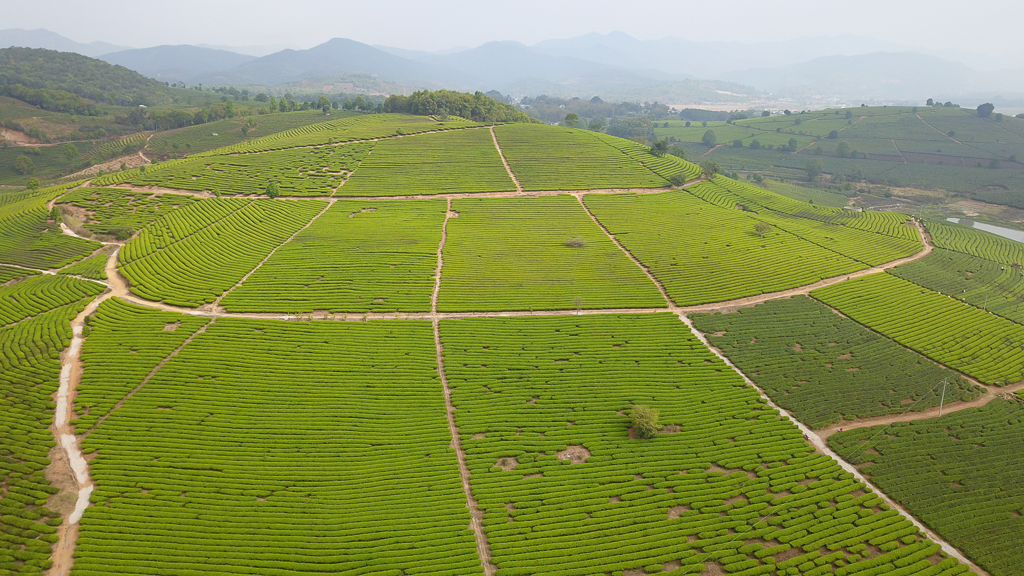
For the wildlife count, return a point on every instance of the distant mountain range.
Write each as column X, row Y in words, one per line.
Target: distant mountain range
column 613, row 66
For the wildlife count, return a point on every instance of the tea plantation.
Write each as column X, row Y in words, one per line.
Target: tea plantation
column 358, row 257
column 270, row 447
column 959, row 473
column 426, row 357
column 825, row 368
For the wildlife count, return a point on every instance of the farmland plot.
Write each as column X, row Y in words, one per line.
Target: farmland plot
column 94, row 267
column 125, row 342
column 110, row 208
column 8, row 273
column 357, row 257
column 298, row 171
column 542, row 409
column 569, row 160
column 192, row 257
column 703, row 253
column 960, row 474
column 825, row 368
column 458, row 161
column 39, row 294
column 270, row 447
column 29, row 375
column 516, row 254
column 956, row 334
column 986, row 284
column 30, row 238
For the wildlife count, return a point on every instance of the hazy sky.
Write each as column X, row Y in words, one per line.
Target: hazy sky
column 984, row 26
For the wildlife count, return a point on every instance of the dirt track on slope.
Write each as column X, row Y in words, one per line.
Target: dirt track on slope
column 476, row 522
column 991, row 393
column 519, row 187
column 819, row 444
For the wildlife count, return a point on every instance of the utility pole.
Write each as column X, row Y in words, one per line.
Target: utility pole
column 943, row 400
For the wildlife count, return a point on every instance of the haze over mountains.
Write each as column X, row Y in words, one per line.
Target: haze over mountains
column 613, row 66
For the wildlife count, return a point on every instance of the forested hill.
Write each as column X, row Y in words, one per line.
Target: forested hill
column 60, row 80
column 477, row 107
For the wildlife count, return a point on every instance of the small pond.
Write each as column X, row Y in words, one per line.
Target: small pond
column 997, row 230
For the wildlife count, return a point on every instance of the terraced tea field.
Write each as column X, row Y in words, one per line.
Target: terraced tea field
column 359, row 256
column 825, row 368
column 536, row 254
column 542, row 406
column 704, row 253
column 391, row 384
column 191, row 259
column 977, row 343
column 280, row 462
column 458, row 161
column 959, row 473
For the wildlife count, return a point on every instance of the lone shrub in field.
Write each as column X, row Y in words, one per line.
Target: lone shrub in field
column 273, row 190
column 122, row 232
column 762, row 229
column 645, row 421
column 677, row 179
column 576, row 242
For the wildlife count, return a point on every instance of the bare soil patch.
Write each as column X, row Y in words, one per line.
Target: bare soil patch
column 15, row 137
column 507, row 464
column 574, row 454
column 677, row 511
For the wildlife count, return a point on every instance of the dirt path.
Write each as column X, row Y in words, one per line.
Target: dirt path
column 937, row 130
column 519, row 187
column 63, row 434
column 440, row 259
column 149, row 376
column 897, row 147
column 130, row 161
column 476, row 522
column 661, row 287
column 819, row 444
column 991, row 393
column 330, row 202
column 749, row 301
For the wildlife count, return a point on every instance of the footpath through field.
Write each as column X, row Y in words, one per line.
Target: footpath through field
column 118, row 287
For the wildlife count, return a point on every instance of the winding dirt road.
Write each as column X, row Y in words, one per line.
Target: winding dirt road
column 118, row 287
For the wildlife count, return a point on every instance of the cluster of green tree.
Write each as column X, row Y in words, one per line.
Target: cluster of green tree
column 477, row 107
column 53, row 100
column 55, row 72
column 551, row 109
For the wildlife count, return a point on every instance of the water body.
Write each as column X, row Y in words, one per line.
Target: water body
column 997, row 230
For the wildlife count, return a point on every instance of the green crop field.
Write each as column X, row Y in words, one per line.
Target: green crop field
column 94, row 267
column 108, row 209
column 357, row 257
column 298, row 171
column 118, row 331
column 985, row 284
column 192, row 257
column 958, row 335
column 38, row 294
column 870, row 237
column 227, row 132
column 515, row 254
column 8, row 273
column 704, row 253
column 271, row 447
column 457, row 161
column 926, row 147
column 29, row 375
column 30, row 238
column 975, row 242
column 570, row 160
column 960, row 474
column 825, row 368
column 268, row 385
column 541, row 406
